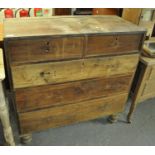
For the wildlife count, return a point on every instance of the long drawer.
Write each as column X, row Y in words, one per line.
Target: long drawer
column 67, row 47
column 65, row 71
column 72, row 113
column 28, row 99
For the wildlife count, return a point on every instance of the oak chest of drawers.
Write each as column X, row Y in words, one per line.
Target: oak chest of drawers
column 64, row 70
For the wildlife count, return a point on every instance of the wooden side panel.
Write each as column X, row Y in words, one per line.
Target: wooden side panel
column 59, row 72
column 45, row 49
column 132, row 14
column 52, row 95
column 149, row 89
column 67, row 114
column 152, row 74
column 116, row 44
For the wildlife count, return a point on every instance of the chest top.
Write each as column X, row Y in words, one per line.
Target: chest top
column 68, row 25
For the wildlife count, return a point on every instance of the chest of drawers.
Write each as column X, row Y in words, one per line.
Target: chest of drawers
column 64, row 70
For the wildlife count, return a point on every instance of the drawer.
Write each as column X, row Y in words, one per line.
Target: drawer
column 72, row 113
column 28, row 99
column 45, row 49
column 112, row 44
column 65, row 71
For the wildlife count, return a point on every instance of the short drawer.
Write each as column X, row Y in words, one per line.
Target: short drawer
column 66, row 71
column 112, row 44
column 45, row 49
column 72, row 113
column 29, row 99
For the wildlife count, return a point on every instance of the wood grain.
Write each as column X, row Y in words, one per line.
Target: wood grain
column 68, row 25
column 59, row 72
column 149, row 88
column 45, row 49
column 152, row 73
column 111, row 44
column 132, row 14
column 68, row 114
column 29, row 99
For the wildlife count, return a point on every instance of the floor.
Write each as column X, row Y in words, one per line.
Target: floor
column 99, row 132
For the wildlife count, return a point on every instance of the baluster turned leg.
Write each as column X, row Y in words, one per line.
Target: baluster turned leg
column 26, row 138
column 132, row 109
column 112, row 118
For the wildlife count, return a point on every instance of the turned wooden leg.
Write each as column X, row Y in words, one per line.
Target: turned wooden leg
column 112, row 118
column 26, row 138
column 4, row 116
column 132, row 109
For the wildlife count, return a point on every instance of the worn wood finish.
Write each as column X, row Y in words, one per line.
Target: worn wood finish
column 67, row 114
column 106, row 45
column 29, row 99
column 45, row 49
column 58, row 72
column 149, row 88
column 152, row 74
column 132, row 14
column 86, row 73
column 68, row 25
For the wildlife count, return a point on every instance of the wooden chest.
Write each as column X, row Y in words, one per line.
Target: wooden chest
column 64, row 70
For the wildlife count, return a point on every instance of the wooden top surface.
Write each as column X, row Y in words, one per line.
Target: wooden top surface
column 2, row 73
column 67, row 25
column 147, row 60
column 1, row 32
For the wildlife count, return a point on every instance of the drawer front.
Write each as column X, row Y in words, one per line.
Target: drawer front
column 72, row 113
column 65, row 71
column 115, row 44
column 34, row 50
column 29, row 99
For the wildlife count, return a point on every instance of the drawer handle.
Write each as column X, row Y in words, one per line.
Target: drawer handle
column 47, row 49
column 44, row 73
